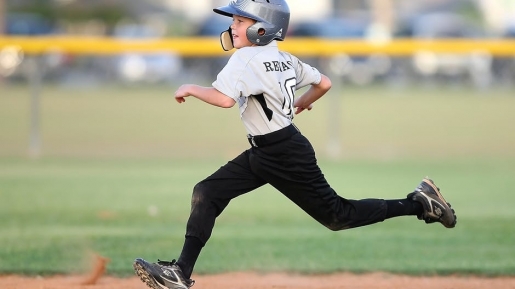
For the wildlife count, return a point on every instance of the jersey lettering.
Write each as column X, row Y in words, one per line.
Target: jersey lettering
column 277, row 66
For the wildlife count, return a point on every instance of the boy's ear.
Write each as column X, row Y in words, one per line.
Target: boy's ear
column 226, row 40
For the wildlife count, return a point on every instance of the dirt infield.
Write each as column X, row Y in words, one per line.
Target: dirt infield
column 262, row 281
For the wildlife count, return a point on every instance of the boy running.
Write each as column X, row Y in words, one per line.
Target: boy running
column 262, row 81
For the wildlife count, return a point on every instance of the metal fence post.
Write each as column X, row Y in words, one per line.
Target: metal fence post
column 35, row 106
column 334, row 141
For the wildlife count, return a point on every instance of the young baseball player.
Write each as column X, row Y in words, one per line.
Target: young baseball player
column 262, row 81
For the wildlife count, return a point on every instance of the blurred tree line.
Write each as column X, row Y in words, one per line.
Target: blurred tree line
column 107, row 12
column 72, row 16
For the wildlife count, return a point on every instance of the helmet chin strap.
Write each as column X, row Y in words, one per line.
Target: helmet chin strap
column 226, row 40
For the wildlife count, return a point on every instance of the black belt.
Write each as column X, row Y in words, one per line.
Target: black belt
column 273, row 137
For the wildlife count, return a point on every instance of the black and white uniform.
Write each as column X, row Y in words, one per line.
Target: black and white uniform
column 263, row 80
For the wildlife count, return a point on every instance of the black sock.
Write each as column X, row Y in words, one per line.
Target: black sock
column 403, row 207
column 190, row 252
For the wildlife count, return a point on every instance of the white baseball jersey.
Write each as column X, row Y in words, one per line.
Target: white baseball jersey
column 263, row 80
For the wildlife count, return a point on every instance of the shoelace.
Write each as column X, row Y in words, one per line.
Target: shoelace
column 166, row 263
column 173, row 262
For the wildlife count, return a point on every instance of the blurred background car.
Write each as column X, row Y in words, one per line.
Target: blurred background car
column 209, row 67
column 13, row 62
column 503, row 68
column 144, row 67
column 474, row 67
column 28, row 24
column 359, row 70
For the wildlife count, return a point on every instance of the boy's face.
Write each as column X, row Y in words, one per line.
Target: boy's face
column 239, row 31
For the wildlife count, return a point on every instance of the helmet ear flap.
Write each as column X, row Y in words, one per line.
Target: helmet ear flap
column 260, row 33
column 226, row 39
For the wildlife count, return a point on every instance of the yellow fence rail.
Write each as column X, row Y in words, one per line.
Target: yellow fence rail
column 202, row 47
column 208, row 46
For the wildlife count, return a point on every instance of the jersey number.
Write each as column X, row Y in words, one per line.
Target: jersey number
column 289, row 96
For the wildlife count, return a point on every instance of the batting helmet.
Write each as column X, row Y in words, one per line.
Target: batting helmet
column 272, row 18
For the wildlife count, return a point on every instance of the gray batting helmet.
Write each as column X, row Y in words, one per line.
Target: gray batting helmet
column 272, row 18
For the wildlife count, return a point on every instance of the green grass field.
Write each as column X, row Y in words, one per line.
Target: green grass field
column 118, row 166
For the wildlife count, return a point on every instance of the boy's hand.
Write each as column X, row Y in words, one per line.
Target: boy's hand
column 301, row 109
column 181, row 93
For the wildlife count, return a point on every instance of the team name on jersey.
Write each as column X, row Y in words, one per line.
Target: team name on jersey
column 277, row 65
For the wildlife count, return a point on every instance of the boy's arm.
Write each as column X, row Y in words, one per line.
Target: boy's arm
column 315, row 92
column 207, row 94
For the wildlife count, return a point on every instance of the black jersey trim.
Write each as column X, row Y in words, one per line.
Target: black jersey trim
column 261, row 99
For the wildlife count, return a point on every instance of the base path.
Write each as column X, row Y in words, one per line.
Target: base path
column 268, row 281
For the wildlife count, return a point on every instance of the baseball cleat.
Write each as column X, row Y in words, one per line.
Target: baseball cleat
column 162, row 275
column 436, row 209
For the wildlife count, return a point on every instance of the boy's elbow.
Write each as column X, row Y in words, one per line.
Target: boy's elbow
column 227, row 103
column 325, row 83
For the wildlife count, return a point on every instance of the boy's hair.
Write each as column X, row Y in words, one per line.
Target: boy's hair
column 272, row 18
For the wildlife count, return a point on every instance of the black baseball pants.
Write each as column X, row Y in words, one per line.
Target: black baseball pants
column 291, row 167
